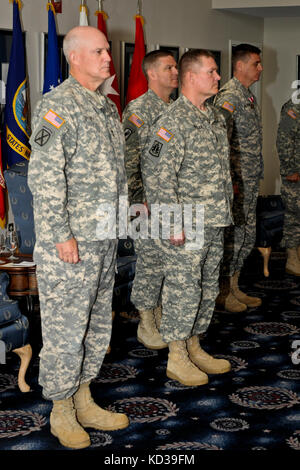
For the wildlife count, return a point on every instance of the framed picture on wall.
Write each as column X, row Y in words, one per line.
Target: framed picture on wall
column 5, row 47
column 298, row 69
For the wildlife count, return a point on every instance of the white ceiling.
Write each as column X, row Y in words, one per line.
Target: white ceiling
column 264, row 9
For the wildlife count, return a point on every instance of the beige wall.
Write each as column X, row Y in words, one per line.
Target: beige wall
column 188, row 23
column 281, row 45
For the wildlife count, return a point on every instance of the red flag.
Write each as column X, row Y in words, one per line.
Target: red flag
column 137, row 83
column 110, row 87
column 2, row 193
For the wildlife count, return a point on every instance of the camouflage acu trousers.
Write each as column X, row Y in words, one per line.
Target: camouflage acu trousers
column 239, row 239
column 291, row 197
column 76, row 315
column 190, row 285
column 149, row 275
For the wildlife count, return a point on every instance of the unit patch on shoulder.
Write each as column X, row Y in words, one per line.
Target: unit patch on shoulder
column 128, row 132
column 42, row 136
column 54, row 119
column 138, row 122
column 156, row 148
column 228, row 106
column 164, row 134
column 292, row 114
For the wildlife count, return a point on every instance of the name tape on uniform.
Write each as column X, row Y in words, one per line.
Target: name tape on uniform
column 54, row 119
column 164, row 134
column 228, row 106
column 138, row 122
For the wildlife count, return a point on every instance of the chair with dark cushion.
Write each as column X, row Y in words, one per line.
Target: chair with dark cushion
column 14, row 332
column 20, row 199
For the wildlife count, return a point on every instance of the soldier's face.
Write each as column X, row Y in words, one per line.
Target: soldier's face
column 166, row 73
column 206, row 77
column 252, row 68
column 94, row 58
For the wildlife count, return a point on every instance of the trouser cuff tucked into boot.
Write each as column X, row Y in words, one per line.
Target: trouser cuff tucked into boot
column 90, row 415
column 64, row 425
column 204, row 361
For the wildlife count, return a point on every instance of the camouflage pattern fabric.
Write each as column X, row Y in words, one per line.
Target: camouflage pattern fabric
column 288, row 148
column 186, row 162
column 138, row 117
column 242, row 114
column 76, row 163
column 76, row 315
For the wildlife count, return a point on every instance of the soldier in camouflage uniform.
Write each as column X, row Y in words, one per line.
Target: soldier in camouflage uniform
column 245, row 138
column 186, row 162
column 77, row 163
column 160, row 69
column 288, row 148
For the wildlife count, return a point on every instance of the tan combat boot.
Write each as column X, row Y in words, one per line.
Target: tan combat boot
column 90, row 415
column 293, row 262
column 241, row 296
column 181, row 368
column 147, row 332
column 227, row 300
column 64, row 425
column 204, row 361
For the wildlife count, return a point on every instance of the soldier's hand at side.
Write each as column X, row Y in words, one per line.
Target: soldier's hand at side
column 178, row 240
column 68, row 251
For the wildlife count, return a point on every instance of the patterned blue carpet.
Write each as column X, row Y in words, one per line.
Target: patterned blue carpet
column 255, row 407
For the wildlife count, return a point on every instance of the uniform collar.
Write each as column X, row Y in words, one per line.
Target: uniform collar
column 95, row 97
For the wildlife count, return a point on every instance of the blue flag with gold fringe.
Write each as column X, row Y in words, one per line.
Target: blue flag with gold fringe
column 15, row 115
column 52, row 72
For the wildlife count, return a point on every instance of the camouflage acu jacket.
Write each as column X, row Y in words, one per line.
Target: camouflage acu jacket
column 242, row 114
column 77, row 162
column 138, row 117
column 187, row 161
column 288, row 139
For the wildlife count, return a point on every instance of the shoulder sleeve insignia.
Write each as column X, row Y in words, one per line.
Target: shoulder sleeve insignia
column 292, row 114
column 138, row 122
column 156, row 149
column 42, row 136
column 128, row 132
column 54, row 119
column 164, row 134
column 228, row 106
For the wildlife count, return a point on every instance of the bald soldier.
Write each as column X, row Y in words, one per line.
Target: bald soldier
column 77, row 164
column 160, row 69
column 186, row 165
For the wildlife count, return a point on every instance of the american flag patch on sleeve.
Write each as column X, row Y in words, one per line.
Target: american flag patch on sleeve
column 138, row 122
column 292, row 114
column 54, row 119
column 164, row 134
column 228, row 106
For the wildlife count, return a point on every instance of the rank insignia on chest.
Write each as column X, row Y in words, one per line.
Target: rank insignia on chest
column 164, row 134
column 228, row 106
column 292, row 114
column 138, row 122
column 54, row 119
column 156, row 149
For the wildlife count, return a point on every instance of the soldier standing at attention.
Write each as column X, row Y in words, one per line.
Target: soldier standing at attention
column 186, row 162
column 160, row 69
column 77, row 163
column 245, row 139
column 288, row 148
